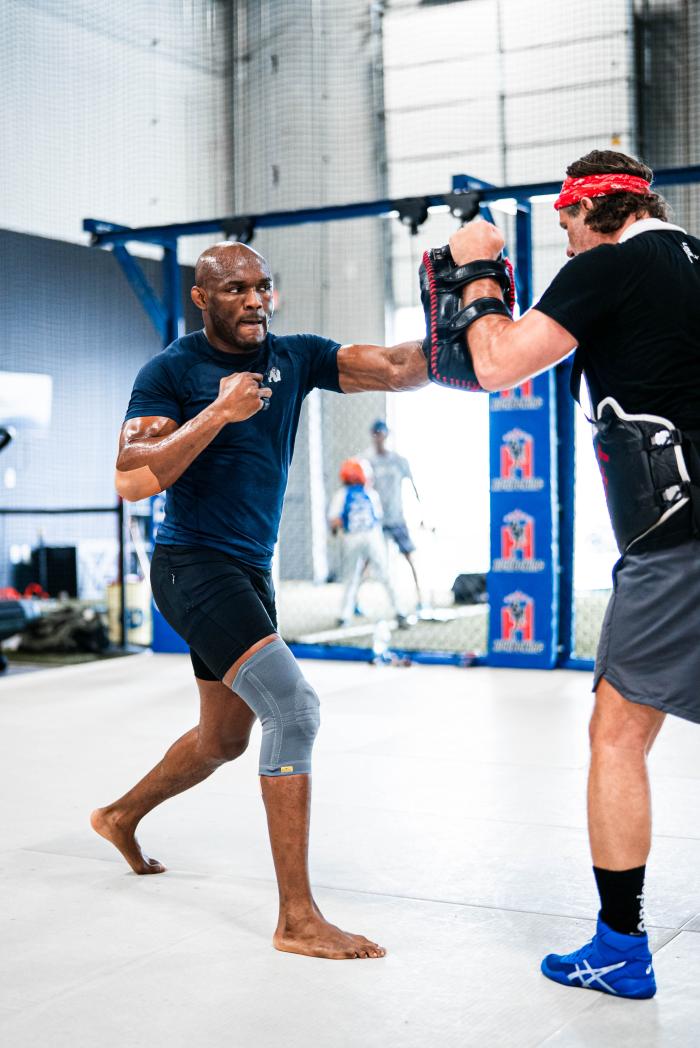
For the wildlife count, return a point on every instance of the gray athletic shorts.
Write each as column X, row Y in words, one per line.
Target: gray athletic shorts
column 649, row 646
column 399, row 533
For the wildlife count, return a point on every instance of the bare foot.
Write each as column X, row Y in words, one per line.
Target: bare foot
column 313, row 936
column 107, row 824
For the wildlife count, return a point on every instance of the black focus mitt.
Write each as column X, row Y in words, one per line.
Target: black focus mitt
column 441, row 282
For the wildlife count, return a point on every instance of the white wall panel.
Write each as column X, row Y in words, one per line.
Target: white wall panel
column 522, row 89
column 571, row 113
column 458, row 127
column 548, row 162
column 118, row 112
column 560, row 65
column 428, row 174
column 441, row 80
column 526, row 79
column 533, row 23
column 442, row 32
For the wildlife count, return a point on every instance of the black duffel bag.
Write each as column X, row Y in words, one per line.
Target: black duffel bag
column 67, row 629
column 470, row 589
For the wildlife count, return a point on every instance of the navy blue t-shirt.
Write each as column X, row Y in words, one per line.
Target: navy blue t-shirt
column 230, row 497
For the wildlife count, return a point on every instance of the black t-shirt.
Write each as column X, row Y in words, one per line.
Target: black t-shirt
column 634, row 309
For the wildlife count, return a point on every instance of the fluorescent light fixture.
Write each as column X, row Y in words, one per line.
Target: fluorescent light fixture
column 25, row 398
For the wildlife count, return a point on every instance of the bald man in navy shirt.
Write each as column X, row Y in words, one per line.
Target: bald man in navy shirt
column 212, row 421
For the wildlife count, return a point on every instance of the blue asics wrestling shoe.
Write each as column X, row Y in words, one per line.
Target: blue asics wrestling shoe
column 611, row 962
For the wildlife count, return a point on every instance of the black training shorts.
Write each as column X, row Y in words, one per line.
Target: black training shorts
column 219, row 605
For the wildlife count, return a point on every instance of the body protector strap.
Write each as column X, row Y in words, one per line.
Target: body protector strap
column 645, row 474
column 441, row 282
column 647, row 466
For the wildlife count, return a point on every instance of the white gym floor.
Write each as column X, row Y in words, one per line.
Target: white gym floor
column 448, row 824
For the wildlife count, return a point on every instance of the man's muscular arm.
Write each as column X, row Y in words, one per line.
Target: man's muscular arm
column 391, row 369
column 154, row 452
column 505, row 352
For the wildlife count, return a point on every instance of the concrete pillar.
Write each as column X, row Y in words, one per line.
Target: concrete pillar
column 297, row 66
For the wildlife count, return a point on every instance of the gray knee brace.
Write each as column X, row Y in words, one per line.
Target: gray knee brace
column 272, row 684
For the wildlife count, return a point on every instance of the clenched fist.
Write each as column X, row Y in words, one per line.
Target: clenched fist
column 474, row 241
column 241, row 396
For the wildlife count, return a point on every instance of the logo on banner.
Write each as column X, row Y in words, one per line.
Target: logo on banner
column 518, row 626
column 518, row 544
column 520, row 398
column 517, row 464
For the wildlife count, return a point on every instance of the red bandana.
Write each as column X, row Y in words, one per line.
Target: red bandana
column 574, row 189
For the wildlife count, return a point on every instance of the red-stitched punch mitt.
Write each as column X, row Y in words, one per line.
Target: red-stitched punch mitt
column 445, row 344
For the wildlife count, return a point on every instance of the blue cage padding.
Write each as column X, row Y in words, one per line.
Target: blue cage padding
column 523, row 582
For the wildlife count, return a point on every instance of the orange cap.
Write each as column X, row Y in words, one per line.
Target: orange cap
column 352, row 472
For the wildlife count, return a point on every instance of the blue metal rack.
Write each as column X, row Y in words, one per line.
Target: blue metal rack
column 468, row 196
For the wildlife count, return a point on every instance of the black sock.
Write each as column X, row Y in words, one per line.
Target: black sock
column 622, row 899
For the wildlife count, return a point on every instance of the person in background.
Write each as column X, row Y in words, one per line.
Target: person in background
column 390, row 469
column 355, row 512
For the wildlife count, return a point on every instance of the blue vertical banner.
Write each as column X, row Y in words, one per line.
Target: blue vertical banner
column 523, row 584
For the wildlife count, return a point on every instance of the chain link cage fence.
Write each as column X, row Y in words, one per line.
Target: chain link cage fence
column 152, row 113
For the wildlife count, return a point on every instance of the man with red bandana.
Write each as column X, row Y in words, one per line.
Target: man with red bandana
column 628, row 301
